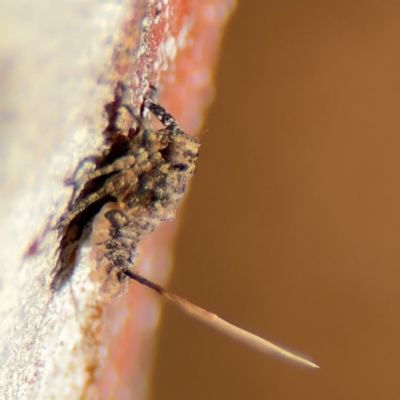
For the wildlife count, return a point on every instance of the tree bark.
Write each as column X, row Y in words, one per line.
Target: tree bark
column 60, row 66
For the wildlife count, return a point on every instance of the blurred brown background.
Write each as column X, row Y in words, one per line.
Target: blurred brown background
column 292, row 226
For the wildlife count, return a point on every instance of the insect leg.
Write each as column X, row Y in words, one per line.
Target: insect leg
column 118, row 165
column 112, row 186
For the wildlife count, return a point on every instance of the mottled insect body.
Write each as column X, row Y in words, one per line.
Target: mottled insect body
column 168, row 162
column 145, row 185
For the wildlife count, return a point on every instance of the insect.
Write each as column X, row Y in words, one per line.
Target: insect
column 134, row 192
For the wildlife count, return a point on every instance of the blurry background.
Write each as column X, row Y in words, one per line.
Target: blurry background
column 291, row 229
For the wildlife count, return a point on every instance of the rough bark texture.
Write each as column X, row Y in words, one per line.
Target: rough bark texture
column 59, row 67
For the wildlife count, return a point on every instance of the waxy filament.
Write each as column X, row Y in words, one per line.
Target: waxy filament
column 210, row 319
